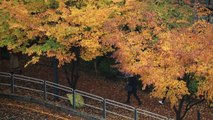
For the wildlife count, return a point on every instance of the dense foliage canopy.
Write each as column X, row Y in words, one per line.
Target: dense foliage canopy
column 156, row 39
column 52, row 28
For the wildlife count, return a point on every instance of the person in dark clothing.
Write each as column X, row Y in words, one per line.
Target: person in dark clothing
column 132, row 89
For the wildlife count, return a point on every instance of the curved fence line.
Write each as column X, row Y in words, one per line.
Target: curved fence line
column 43, row 90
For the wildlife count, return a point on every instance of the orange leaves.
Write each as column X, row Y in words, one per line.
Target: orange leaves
column 62, row 56
column 23, row 16
column 90, row 16
column 206, row 89
column 173, row 90
column 92, row 48
column 70, row 27
column 202, row 10
column 32, row 61
column 189, row 52
column 157, row 30
column 142, row 42
column 147, row 34
column 163, row 62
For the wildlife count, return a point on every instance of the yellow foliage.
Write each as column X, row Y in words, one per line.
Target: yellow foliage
column 143, row 45
column 69, row 26
column 176, row 52
column 32, row 61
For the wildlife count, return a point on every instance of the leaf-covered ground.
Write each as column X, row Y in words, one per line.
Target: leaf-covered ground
column 16, row 110
column 113, row 90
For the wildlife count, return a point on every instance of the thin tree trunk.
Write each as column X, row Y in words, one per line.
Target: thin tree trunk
column 95, row 66
column 56, row 78
column 14, row 63
column 0, row 54
column 179, row 110
column 72, row 71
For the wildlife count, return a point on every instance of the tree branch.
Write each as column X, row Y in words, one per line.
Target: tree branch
column 181, row 103
column 175, row 109
column 188, row 106
column 186, row 109
column 196, row 103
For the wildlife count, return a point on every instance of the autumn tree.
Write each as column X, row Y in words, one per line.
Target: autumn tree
column 155, row 39
column 159, row 41
column 68, row 30
column 191, row 65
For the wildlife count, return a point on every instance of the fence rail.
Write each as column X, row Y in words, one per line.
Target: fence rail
column 46, row 88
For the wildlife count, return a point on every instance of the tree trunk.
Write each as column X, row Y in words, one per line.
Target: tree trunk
column 95, row 66
column 0, row 54
column 178, row 116
column 72, row 70
column 179, row 109
column 55, row 73
column 74, row 74
column 14, row 63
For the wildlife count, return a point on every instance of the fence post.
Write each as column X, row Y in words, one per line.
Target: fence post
column 104, row 108
column 74, row 105
column 135, row 114
column 12, row 83
column 45, row 90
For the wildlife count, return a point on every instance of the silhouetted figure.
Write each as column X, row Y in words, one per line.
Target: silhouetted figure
column 132, row 89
